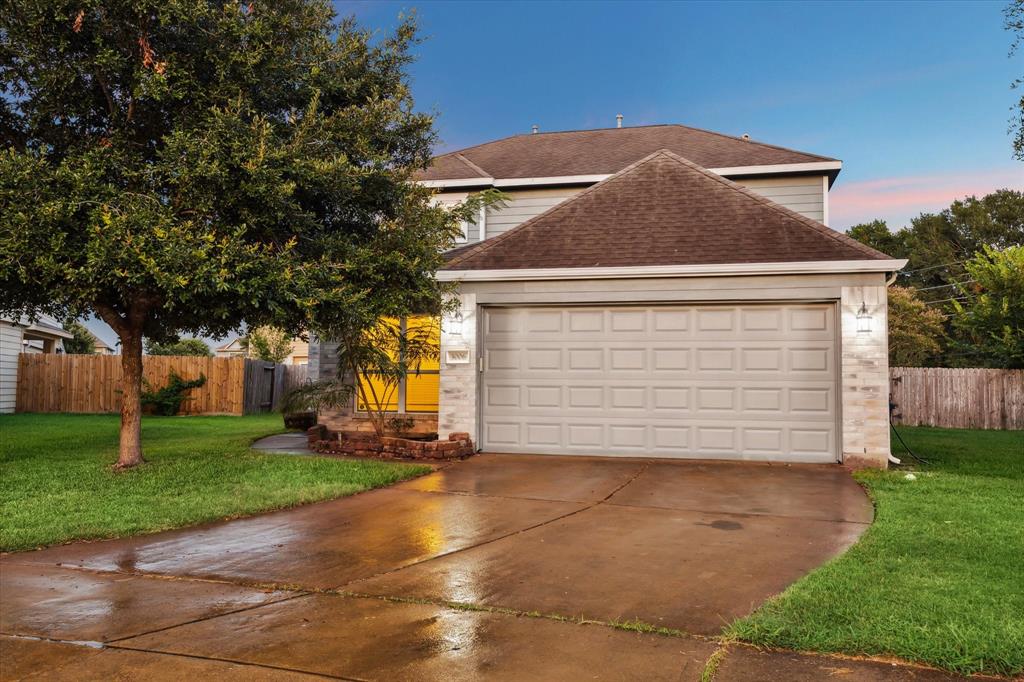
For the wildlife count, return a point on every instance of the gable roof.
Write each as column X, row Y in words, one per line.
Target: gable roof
column 603, row 152
column 662, row 210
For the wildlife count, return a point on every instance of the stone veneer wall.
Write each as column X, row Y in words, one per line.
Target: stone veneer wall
column 865, row 378
column 457, row 409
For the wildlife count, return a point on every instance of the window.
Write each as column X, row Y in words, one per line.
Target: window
column 418, row 391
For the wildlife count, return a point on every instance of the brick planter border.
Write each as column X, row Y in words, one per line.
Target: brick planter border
column 361, row 444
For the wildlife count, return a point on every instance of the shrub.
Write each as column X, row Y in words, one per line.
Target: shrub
column 167, row 401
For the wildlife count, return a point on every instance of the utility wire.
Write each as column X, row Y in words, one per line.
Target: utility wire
column 943, row 286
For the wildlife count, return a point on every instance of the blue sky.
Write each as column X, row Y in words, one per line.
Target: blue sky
column 914, row 97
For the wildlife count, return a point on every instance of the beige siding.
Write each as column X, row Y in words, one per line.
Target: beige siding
column 803, row 194
column 523, row 205
column 10, row 346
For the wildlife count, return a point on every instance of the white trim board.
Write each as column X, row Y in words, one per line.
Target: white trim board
column 644, row 271
column 586, row 179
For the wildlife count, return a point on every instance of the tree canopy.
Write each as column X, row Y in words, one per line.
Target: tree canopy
column 942, row 249
column 187, row 166
column 991, row 314
column 83, row 342
column 268, row 343
column 194, row 347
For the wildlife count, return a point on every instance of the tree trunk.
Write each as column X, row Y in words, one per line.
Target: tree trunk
column 130, row 453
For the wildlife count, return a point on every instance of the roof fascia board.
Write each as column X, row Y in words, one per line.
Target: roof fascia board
column 647, row 271
column 831, row 167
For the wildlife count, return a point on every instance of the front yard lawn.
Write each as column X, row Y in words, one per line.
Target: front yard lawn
column 939, row 576
column 56, row 482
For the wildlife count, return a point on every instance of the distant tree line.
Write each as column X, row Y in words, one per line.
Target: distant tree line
column 960, row 300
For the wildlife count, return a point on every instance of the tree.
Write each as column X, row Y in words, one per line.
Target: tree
column 270, row 344
column 186, row 166
column 991, row 317
column 877, row 235
column 915, row 329
column 194, row 347
column 1013, row 21
column 83, row 342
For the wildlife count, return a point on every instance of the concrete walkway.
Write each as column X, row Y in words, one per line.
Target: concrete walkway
column 285, row 444
column 501, row 567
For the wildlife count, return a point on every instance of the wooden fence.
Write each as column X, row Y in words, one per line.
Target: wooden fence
column 266, row 384
column 958, row 398
column 92, row 383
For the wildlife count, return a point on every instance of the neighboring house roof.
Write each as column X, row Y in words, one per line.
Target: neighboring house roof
column 234, row 345
column 662, row 210
column 605, row 151
column 100, row 345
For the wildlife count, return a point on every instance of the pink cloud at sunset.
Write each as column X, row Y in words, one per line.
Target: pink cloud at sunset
column 896, row 200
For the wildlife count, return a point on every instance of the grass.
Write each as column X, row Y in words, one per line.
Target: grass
column 939, row 576
column 57, row 485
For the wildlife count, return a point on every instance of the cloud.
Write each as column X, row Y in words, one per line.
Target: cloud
column 898, row 199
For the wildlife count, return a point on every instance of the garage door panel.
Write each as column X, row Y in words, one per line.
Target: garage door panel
column 737, row 382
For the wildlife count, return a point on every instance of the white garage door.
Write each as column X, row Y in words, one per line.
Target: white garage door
column 734, row 382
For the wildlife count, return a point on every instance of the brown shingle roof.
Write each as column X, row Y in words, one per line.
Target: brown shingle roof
column 605, row 151
column 662, row 210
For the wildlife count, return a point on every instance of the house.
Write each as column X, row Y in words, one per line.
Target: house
column 237, row 349
column 657, row 291
column 100, row 347
column 44, row 335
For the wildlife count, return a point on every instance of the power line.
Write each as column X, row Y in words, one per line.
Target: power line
column 932, row 267
column 943, row 286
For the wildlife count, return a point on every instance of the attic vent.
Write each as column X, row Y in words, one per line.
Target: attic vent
column 746, row 136
column 536, row 128
column 618, row 120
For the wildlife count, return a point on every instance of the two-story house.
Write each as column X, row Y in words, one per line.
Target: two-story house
column 656, row 291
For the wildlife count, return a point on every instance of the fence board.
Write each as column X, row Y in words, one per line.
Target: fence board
column 92, row 383
column 958, row 398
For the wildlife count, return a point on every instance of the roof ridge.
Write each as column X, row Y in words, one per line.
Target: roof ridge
column 821, row 228
column 735, row 138
column 492, row 242
column 472, row 165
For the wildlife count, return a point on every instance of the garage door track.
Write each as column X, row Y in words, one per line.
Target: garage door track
column 501, row 567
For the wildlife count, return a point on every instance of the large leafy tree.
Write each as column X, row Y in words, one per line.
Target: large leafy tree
column 991, row 316
column 1013, row 21
column 185, row 165
column 916, row 329
column 938, row 245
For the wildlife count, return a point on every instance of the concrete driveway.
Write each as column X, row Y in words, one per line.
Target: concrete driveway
column 501, row 567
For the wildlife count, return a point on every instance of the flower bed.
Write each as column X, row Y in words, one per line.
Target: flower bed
column 361, row 444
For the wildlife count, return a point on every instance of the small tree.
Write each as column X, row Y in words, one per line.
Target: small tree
column 267, row 343
column 83, row 342
column 992, row 316
column 193, row 347
column 915, row 329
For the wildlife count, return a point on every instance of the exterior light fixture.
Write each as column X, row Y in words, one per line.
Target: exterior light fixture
column 863, row 319
column 455, row 324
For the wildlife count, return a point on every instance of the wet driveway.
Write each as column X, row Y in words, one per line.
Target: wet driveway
column 500, row 567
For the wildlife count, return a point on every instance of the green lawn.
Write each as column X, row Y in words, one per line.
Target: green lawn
column 939, row 576
column 57, row 485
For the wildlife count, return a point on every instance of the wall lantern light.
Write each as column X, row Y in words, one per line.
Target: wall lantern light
column 863, row 319
column 455, row 324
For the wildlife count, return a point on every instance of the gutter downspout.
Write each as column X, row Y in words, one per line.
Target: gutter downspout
column 888, row 283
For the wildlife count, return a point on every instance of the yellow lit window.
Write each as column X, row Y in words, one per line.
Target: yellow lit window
column 419, row 391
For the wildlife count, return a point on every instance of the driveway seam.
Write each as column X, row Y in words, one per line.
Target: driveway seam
column 208, row 617
column 588, row 506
